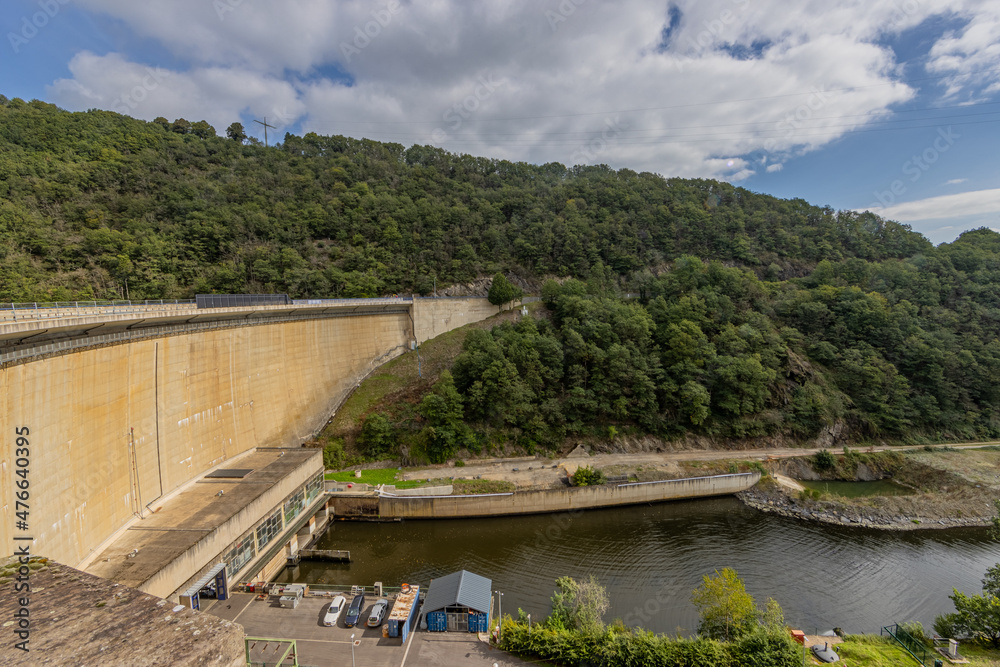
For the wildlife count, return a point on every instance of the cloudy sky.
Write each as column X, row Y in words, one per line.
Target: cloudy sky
column 891, row 105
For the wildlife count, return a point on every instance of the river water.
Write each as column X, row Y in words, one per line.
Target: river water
column 650, row 558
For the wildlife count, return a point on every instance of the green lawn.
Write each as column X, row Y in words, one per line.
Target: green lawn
column 388, row 476
column 977, row 655
column 874, row 651
column 375, row 477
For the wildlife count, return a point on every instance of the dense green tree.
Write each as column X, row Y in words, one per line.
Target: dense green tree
column 181, row 126
column 725, row 608
column 502, row 291
column 202, row 129
column 377, row 436
column 579, row 605
column 977, row 616
column 446, row 430
column 236, row 132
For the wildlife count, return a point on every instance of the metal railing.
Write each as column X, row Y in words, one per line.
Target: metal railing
column 36, row 310
column 33, row 351
column 348, row 302
column 916, row 648
column 42, row 310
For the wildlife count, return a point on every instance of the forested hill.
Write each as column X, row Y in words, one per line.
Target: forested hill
column 101, row 205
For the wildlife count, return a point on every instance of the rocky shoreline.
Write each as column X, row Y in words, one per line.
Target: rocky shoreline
column 777, row 502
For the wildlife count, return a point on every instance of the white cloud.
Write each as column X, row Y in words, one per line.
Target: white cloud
column 771, row 168
column 971, row 54
column 218, row 95
column 956, row 181
column 973, row 203
column 582, row 82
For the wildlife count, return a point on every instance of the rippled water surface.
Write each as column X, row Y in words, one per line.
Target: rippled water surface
column 650, row 557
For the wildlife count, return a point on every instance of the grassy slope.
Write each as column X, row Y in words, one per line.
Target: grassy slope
column 396, row 387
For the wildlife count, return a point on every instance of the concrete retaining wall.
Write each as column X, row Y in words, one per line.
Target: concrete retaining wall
column 562, row 500
column 435, row 316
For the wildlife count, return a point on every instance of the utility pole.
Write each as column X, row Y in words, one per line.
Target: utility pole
column 500, row 612
column 265, row 128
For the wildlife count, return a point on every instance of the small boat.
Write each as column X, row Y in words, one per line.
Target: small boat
column 824, row 653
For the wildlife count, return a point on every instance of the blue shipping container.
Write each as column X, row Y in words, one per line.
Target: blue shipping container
column 437, row 621
column 478, row 622
column 406, row 604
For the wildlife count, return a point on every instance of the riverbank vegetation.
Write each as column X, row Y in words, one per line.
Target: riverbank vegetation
column 733, row 631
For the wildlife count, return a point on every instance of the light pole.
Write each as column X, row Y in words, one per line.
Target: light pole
column 499, row 613
column 352, row 650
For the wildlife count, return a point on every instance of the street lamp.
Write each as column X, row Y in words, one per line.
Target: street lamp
column 352, row 650
column 500, row 613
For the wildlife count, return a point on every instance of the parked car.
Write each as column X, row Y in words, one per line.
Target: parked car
column 333, row 611
column 377, row 614
column 354, row 611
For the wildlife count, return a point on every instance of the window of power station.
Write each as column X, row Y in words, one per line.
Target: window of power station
column 294, row 505
column 314, row 486
column 239, row 555
column 269, row 529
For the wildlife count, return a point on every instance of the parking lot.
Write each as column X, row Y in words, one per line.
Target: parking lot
column 321, row 646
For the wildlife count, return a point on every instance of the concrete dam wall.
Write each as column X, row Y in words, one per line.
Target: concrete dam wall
column 110, row 427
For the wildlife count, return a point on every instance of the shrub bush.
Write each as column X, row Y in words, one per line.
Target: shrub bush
column 824, row 460
column 587, row 476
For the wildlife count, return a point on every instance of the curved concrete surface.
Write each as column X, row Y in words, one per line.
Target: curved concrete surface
column 111, row 428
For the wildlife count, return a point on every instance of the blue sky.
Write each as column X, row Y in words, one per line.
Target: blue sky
column 891, row 106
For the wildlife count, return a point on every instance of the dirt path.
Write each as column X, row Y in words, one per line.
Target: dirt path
column 540, row 472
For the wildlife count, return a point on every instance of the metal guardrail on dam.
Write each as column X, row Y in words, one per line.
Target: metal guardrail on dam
column 42, row 310
column 43, row 317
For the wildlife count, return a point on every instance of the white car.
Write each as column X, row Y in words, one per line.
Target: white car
column 333, row 611
column 377, row 613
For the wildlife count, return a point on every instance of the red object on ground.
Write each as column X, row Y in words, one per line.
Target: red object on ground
column 798, row 636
